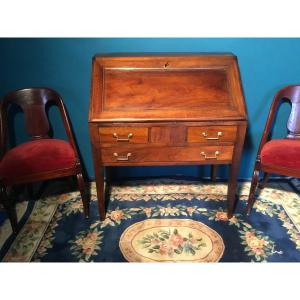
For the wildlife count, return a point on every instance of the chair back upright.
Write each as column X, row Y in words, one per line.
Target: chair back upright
column 289, row 94
column 33, row 103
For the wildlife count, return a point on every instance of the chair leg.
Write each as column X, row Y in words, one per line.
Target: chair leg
column 85, row 200
column 10, row 209
column 251, row 198
column 264, row 181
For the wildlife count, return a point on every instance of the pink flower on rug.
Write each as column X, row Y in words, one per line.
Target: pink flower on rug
column 164, row 248
column 76, row 205
column 64, row 198
column 256, row 244
column 249, row 234
column 221, row 216
column 147, row 211
column 117, row 215
column 176, row 240
column 88, row 243
column 190, row 210
column 258, row 251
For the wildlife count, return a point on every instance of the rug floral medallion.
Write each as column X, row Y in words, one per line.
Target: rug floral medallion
column 163, row 220
column 171, row 240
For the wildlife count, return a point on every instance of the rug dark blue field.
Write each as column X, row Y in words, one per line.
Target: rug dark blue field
column 163, row 220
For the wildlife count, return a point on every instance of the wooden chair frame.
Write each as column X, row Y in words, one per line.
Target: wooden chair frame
column 289, row 94
column 33, row 103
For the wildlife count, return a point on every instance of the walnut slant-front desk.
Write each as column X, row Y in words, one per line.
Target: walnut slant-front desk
column 166, row 109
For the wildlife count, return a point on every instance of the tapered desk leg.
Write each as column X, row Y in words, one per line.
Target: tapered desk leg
column 234, row 169
column 99, row 170
column 213, row 173
column 232, row 185
column 100, row 187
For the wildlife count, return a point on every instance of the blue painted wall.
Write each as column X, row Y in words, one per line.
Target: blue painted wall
column 266, row 65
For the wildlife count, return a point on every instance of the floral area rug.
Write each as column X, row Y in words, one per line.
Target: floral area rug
column 164, row 220
column 171, row 240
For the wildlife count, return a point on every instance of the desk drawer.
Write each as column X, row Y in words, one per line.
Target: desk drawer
column 211, row 134
column 123, row 135
column 131, row 155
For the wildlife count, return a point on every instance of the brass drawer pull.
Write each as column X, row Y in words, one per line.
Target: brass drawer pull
column 219, row 134
column 122, row 158
column 210, row 157
column 115, row 135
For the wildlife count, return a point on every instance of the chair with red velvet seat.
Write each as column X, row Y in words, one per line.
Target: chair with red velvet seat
column 279, row 156
column 41, row 158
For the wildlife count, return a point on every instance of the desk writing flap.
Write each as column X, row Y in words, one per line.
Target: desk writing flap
column 191, row 87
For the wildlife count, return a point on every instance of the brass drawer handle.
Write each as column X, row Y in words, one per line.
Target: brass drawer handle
column 122, row 158
column 210, row 157
column 219, row 134
column 115, row 135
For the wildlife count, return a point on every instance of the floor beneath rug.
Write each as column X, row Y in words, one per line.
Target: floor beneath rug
column 159, row 220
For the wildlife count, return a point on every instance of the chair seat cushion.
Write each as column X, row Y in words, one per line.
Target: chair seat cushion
column 37, row 157
column 282, row 153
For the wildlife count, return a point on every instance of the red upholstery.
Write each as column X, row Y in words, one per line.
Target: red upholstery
column 282, row 153
column 37, row 157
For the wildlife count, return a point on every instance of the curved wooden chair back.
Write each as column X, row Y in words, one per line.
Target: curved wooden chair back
column 289, row 94
column 33, row 103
